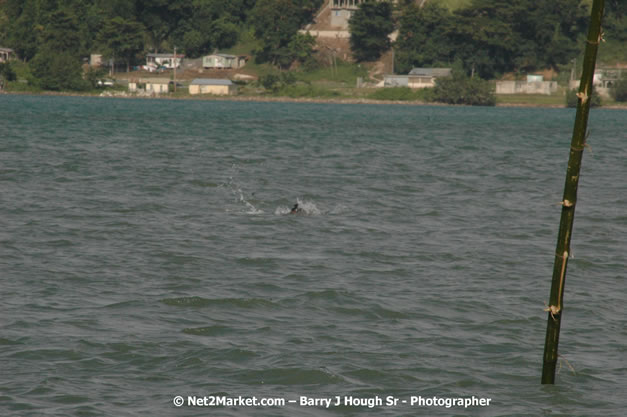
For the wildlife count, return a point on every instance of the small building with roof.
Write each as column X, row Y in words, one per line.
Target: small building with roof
column 417, row 78
column 6, row 54
column 223, row 61
column 168, row 61
column 218, row 87
column 150, row 85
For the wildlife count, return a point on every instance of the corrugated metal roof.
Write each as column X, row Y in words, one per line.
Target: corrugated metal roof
column 211, row 81
column 223, row 56
column 431, row 72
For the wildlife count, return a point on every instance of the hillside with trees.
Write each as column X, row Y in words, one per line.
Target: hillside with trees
column 485, row 37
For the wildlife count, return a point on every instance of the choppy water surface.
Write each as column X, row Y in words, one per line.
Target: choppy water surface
column 146, row 252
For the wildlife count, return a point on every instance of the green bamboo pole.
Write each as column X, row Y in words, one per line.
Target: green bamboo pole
column 570, row 196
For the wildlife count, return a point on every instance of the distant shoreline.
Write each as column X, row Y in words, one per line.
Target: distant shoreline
column 272, row 99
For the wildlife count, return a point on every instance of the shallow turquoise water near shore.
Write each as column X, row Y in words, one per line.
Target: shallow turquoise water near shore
column 145, row 253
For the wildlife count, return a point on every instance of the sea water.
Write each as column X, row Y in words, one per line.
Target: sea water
column 149, row 265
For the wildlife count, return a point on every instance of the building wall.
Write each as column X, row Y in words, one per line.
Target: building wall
column 523, row 87
column 218, row 90
column 213, row 61
column 156, row 88
column 340, row 18
column 396, row 81
column 421, row 82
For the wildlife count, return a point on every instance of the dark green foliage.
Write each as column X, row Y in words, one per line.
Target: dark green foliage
column 276, row 24
column 23, row 29
column 572, row 99
column 93, row 75
column 423, row 39
column 57, row 71
column 274, row 83
column 460, row 89
column 615, row 21
column 61, row 32
column 301, row 48
column 619, row 90
column 489, row 36
column 7, row 72
column 492, row 36
column 370, row 27
column 120, row 38
column 270, row 82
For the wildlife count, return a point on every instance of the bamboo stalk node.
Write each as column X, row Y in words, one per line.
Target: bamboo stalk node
column 583, row 96
column 554, row 310
column 567, row 203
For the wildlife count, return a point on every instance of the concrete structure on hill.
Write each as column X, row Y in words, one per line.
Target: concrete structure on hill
column 218, row 87
column 223, row 61
column 534, row 84
column 343, row 10
column 417, row 78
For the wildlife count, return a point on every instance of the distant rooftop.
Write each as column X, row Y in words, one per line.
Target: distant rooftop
column 211, row 81
column 224, row 56
column 431, row 72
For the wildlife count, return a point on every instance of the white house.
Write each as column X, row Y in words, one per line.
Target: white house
column 168, row 61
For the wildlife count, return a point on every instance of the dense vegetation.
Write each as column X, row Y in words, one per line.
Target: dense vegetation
column 492, row 37
column 488, row 37
column 54, row 35
column 370, row 27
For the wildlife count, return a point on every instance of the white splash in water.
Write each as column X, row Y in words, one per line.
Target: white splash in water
column 251, row 208
column 307, row 208
column 237, row 191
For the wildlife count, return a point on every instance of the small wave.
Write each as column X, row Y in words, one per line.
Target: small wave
column 208, row 331
column 207, row 302
column 294, row 376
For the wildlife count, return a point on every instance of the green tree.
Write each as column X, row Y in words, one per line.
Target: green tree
column 370, row 27
column 7, row 72
column 57, row 71
column 61, row 31
column 24, row 29
column 121, row 38
column 56, row 65
column 460, row 89
column 275, row 23
column 492, row 37
column 423, row 37
column 301, row 47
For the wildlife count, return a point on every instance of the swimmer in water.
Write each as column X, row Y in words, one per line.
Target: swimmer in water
column 296, row 209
